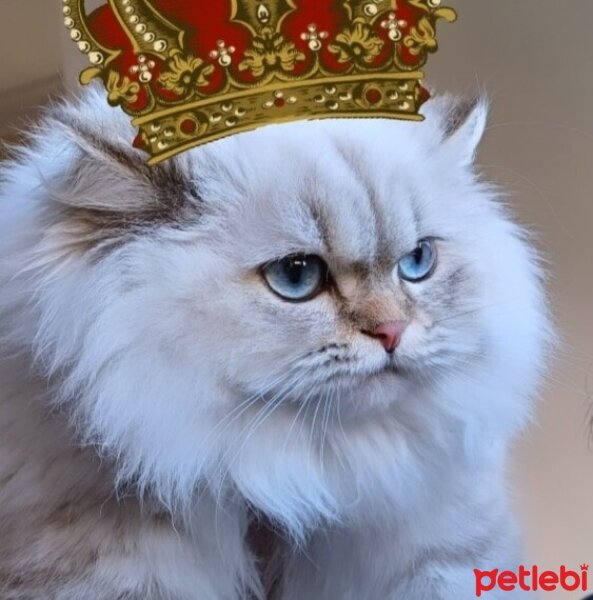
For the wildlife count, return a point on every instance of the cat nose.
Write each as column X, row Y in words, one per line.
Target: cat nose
column 389, row 334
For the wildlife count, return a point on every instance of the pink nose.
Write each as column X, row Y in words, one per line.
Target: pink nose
column 389, row 334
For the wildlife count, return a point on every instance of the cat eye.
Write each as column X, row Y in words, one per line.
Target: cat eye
column 297, row 278
column 419, row 264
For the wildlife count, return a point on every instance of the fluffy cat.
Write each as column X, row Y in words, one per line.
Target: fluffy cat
column 328, row 331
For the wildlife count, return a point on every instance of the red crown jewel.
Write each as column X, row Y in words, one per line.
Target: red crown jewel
column 193, row 72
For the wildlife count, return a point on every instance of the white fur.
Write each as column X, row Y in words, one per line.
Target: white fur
column 386, row 486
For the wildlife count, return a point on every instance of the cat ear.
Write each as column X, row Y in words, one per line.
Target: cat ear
column 97, row 189
column 464, row 123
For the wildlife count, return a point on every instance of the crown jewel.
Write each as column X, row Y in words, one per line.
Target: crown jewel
column 193, row 72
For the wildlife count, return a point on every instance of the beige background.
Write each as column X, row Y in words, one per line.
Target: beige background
column 535, row 59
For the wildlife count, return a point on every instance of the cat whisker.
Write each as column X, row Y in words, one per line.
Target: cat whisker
column 323, row 430
column 232, row 416
column 581, row 393
column 473, row 311
column 287, row 382
column 330, row 399
column 260, row 417
column 295, row 420
column 225, row 474
column 312, row 430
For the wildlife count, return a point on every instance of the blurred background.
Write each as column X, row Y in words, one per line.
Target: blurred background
column 535, row 59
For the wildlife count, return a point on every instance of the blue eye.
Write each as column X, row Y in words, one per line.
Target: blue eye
column 419, row 264
column 297, row 278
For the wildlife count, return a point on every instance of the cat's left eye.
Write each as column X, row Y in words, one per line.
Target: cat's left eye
column 297, row 278
column 419, row 264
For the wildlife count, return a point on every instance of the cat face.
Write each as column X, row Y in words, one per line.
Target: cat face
column 226, row 311
column 333, row 241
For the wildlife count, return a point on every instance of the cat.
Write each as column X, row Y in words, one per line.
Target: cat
column 288, row 364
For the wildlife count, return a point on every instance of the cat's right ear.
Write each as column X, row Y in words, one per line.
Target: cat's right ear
column 463, row 123
column 95, row 189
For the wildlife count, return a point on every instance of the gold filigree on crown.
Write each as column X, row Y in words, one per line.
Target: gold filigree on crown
column 194, row 72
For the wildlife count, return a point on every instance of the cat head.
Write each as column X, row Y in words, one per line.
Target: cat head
column 255, row 311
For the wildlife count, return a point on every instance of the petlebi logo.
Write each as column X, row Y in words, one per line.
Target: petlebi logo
column 532, row 580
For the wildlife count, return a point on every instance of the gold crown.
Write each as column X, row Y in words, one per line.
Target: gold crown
column 194, row 72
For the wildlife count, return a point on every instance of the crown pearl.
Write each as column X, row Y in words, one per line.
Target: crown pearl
column 393, row 25
column 96, row 58
column 263, row 14
column 223, row 54
column 314, row 37
column 315, row 45
column 143, row 68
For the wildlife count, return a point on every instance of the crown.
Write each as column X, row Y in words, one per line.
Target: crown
column 584, row 567
column 194, row 72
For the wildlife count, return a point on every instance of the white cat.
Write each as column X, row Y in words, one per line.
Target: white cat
column 329, row 328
